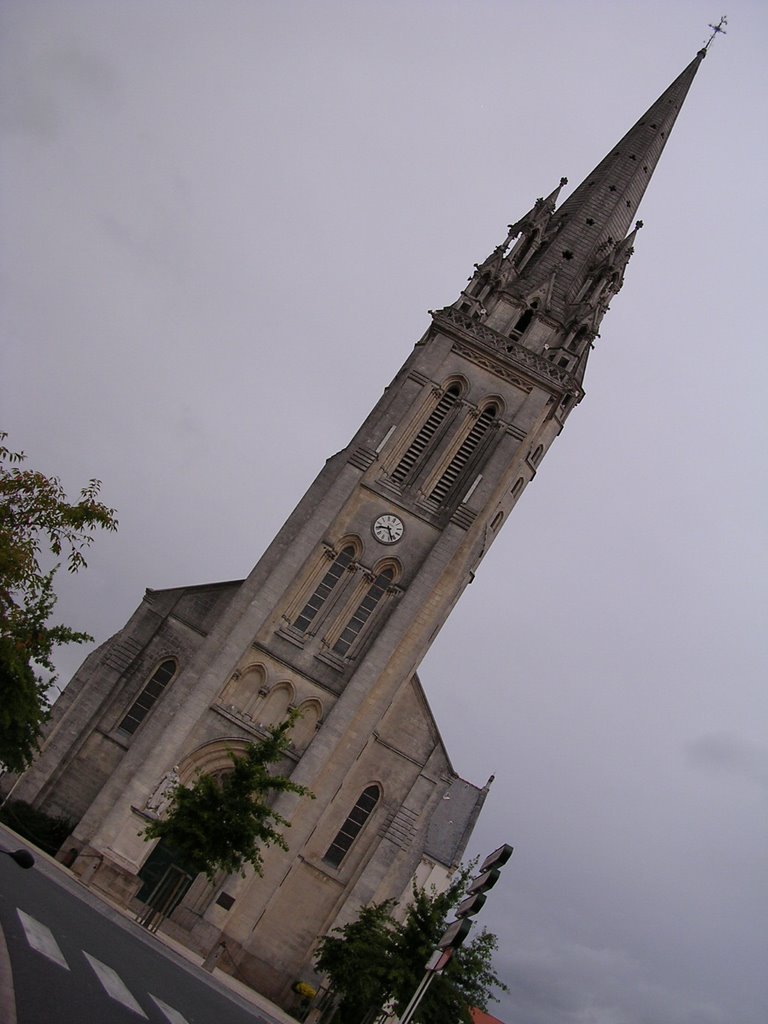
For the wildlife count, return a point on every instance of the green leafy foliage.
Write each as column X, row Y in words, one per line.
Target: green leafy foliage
column 222, row 822
column 46, row 831
column 376, row 959
column 37, row 523
column 23, row 708
column 359, row 961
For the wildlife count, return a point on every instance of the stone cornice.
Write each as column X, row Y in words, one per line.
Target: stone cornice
column 507, row 352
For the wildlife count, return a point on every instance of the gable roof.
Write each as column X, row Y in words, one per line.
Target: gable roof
column 480, row 1017
column 453, row 820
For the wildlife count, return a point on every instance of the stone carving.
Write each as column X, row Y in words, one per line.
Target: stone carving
column 507, row 347
column 494, row 365
column 159, row 802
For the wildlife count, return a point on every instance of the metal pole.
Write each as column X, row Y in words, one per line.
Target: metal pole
column 416, row 998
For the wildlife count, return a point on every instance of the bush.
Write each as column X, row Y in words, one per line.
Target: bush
column 45, row 831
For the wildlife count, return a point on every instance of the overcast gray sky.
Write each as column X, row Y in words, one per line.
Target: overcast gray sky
column 223, row 223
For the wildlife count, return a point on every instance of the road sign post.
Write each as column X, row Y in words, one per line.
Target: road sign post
column 458, row 930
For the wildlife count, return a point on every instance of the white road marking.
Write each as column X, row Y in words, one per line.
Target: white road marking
column 113, row 984
column 174, row 1017
column 41, row 939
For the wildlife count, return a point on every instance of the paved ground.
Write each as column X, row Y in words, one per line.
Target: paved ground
column 66, row 948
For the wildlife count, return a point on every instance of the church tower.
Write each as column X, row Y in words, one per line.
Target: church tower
column 339, row 612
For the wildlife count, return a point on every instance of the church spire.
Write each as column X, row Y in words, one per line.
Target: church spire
column 567, row 263
column 598, row 214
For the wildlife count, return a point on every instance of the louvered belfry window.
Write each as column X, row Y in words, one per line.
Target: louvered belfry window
column 324, row 588
column 364, row 611
column 464, row 453
column 423, row 439
column 350, row 830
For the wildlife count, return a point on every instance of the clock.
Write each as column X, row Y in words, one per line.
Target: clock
column 388, row 529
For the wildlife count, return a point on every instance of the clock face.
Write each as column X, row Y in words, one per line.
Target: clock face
column 388, row 529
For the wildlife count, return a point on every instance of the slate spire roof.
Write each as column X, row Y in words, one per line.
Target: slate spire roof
column 548, row 286
column 598, row 214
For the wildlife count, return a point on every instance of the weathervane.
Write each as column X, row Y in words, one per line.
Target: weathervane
column 716, row 30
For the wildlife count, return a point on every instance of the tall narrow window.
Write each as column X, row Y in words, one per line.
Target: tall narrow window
column 524, row 320
column 350, row 830
column 428, row 429
column 466, row 450
column 148, row 697
column 323, row 590
column 525, row 247
column 364, row 611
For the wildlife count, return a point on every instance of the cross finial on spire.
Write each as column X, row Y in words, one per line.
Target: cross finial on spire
column 716, row 30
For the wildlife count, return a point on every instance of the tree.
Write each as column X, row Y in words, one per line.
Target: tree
column 358, row 960
column 222, row 822
column 36, row 522
column 376, row 959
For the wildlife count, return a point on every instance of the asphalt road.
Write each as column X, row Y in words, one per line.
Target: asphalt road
column 75, row 961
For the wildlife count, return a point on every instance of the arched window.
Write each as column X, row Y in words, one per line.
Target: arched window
column 148, row 697
column 364, row 610
column 522, row 324
column 429, row 428
column 310, row 714
column 524, row 248
column 242, row 691
column 275, row 706
column 464, row 453
column 350, row 830
column 524, row 321
column 536, row 457
column 518, row 486
column 324, row 588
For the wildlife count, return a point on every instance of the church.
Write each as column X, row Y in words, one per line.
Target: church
column 335, row 618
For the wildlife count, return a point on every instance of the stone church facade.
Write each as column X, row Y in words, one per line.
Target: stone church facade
column 339, row 612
